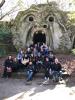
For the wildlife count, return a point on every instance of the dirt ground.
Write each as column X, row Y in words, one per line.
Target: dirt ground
column 18, row 89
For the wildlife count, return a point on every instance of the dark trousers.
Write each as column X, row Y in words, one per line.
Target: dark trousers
column 46, row 73
column 9, row 74
column 56, row 75
column 6, row 74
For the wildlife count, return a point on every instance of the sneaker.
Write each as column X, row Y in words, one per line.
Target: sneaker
column 45, row 78
column 48, row 78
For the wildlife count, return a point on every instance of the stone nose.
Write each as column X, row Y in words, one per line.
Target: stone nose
column 40, row 25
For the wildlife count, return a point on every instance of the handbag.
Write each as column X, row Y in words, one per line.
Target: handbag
column 9, row 69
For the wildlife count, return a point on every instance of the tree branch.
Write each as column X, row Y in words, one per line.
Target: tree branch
column 2, row 3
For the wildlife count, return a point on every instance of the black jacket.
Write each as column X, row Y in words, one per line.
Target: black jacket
column 47, row 65
column 8, row 63
column 30, row 67
column 56, row 67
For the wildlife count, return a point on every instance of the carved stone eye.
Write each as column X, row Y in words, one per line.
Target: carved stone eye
column 44, row 26
column 31, row 19
column 51, row 19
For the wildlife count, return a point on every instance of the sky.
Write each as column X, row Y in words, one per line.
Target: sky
column 9, row 4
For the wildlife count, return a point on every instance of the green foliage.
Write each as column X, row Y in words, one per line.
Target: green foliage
column 71, row 17
column 5, row 33
column 2, row 52
column 6, row 45
column 71, row 22
column 73, row 51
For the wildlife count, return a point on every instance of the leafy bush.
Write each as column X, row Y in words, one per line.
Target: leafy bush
column 2, row 52
column 73, row 51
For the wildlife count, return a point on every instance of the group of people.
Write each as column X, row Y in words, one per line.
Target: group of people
column 37, row 57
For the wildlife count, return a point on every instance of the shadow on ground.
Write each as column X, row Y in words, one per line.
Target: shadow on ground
column 18, row 88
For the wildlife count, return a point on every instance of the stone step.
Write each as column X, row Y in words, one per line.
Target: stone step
column 23, row 75
column 37, row 75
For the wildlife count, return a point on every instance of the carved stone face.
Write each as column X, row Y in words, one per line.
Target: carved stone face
column 41, row 23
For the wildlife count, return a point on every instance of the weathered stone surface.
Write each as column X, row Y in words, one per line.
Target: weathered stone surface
column 42, row 19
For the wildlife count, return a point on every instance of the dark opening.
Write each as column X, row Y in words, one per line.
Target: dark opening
column 44, row 26
column 31, row 19
column 39, row 37
column 51, row 19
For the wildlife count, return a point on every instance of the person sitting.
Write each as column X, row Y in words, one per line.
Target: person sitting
column 15, row 65
column 8, row 67
column 28, row 53
column 35, row 52
column 20, row 57
column 39, row 64
column 55, row 69
column 47, row 67
column 30, row 71
column 42, row 52
column 44, row 46
column 51, row 57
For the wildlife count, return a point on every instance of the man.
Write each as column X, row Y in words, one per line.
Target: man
column 47, row 67
column 15, row 65
column 55, row 69
column 8, row 67
column 30, row 71
column 28, row 53
column 20, row 56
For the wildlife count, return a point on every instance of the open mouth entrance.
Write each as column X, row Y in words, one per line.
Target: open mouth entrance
column 39, row 37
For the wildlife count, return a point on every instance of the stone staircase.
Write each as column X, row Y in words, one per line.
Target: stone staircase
column 22, row 75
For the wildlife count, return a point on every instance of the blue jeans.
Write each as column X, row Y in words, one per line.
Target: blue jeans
column 56, row 75
column 29, row 74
